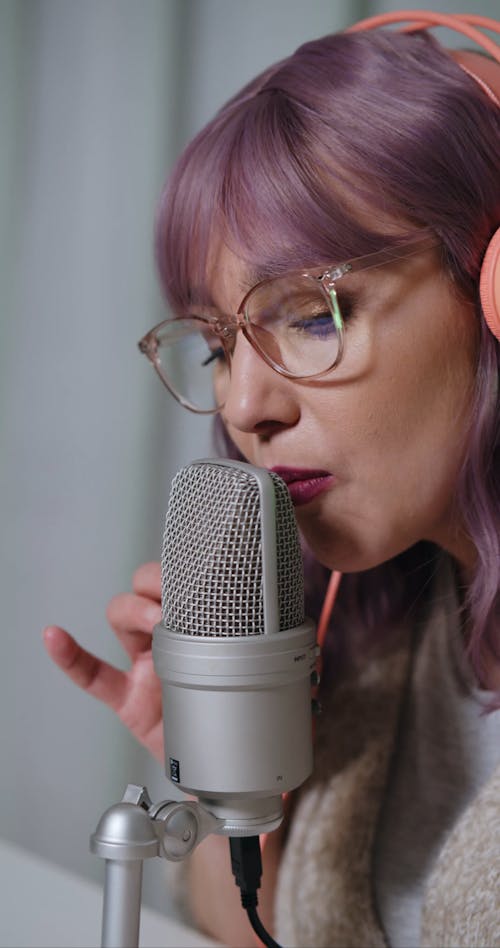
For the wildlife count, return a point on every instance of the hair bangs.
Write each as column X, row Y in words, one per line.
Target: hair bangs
column 285, row 206
column 260, row 181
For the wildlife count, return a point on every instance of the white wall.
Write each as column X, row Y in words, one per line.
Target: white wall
column 96, row 99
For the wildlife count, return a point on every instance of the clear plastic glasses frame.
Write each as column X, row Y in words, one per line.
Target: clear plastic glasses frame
column 225, row 328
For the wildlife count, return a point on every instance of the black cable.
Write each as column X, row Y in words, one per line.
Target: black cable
column 247, row 870
column 259, row 929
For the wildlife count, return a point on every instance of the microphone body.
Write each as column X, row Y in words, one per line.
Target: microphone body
column 234, row 651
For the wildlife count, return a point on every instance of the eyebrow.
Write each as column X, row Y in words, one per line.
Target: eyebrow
column 201, row 296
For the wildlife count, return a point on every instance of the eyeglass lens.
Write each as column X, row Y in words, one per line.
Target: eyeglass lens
column 290, row 321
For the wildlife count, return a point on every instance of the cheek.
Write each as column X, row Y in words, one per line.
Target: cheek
column 417, row 400
column 220, row 379
column 244, row 442
column 418, row 433
column 399, row 440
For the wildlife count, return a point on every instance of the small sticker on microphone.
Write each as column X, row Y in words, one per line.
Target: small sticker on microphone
column 175, row 770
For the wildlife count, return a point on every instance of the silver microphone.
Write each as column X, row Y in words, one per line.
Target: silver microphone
column 234, row 651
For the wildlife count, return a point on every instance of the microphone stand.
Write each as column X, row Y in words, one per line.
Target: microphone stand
column 136, row 829
column 131, row 831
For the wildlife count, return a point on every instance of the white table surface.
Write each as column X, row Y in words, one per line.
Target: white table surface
column 44, row 906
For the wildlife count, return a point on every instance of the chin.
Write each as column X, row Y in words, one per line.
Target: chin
column 350, row 555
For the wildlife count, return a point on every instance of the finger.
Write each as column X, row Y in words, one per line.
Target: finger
column 133, row 619
column 146, row 581
column 96, row 677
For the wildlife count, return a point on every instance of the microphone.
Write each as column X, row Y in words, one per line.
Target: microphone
column 233, row 650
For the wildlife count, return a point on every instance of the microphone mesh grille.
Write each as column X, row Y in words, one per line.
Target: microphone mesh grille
column 212, row 579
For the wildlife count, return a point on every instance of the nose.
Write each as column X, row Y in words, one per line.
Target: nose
column 259, row 400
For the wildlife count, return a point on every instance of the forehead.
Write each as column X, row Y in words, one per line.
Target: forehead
column 228, row 279
column 229, row 275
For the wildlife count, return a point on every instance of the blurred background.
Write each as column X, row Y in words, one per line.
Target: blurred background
column 97, row 97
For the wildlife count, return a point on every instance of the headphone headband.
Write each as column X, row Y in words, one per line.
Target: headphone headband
column 485, row 72
column 464, row 23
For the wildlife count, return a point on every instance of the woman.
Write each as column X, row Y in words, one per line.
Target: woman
column 342, row 203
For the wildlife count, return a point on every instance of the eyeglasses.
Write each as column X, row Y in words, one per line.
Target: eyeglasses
column 294, row 322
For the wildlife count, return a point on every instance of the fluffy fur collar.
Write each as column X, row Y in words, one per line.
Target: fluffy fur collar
column 325, row 897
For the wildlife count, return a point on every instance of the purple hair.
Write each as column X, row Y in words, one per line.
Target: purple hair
column 305, row 166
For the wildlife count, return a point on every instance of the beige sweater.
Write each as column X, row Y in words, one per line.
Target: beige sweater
column 325, row 888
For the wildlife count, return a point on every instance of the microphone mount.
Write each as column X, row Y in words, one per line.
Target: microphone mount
column 136, row 829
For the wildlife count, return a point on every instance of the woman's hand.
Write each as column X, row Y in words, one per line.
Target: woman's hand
column 135, row 695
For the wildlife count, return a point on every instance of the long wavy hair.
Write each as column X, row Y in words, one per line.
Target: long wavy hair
column 387, row 124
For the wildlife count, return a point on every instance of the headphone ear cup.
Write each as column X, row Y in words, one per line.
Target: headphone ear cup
column 485, row 71
column 489, row 284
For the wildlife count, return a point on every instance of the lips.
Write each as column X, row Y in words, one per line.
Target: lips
column 304, row 484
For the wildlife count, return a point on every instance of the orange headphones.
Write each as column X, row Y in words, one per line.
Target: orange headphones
column 486, row 72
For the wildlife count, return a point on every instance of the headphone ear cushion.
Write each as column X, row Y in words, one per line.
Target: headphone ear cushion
column 489, row 284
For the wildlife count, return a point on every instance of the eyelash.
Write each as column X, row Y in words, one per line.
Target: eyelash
column 315, row 322
column 213, row 355
column 347, row 308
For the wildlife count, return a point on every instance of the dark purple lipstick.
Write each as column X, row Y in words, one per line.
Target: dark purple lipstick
column 304, row 484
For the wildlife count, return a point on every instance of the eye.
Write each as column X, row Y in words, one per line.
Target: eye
column 319, row 324
column 213, row 356
column 213, row 352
